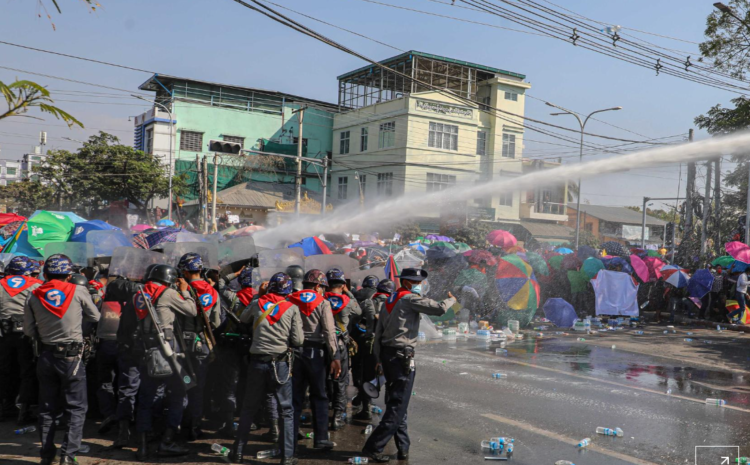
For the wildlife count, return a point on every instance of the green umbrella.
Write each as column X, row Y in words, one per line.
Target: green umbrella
column 725, row 261
column 556, row 261
column 47, row 227
column 537, row 263
column 591, row 267
column 461, row 247
column 578, row 281
column 652, row 253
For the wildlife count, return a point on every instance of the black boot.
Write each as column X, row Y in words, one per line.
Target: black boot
column 364, row 414
column 169, row 447
column 107, row 424
column 142, row 453
column 227, row 430
column 273, row 433
column 235, row 455
column 24, row 415
column 123, row 434
column 338, row 420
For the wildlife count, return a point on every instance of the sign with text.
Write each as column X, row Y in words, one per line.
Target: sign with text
column 445, row 109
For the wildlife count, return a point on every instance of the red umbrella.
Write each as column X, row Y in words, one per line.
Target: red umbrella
column 640, row 268
column 654, row 267
column 477, row 256
column 501, row 238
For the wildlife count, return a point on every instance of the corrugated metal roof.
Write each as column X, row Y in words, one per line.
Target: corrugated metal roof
column 258, row 195
column 540, row 229
column 619, row 215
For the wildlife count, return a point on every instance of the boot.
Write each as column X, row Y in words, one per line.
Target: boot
column 67, row 460
column 107, row 424
column 235, row 455
column 364, row 414
column 227, row 430
column 273, row 433
column 24, row 415
column 142, row 453
column 194, row 433
column 169, row 447
column 338, row 420
column 123, row 434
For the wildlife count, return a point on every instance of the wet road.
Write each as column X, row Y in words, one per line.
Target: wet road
column 557, row 391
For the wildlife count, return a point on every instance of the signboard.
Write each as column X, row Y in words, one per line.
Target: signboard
column 632, row 232
column 233, row 219
column 445, row 109
column 482, row 213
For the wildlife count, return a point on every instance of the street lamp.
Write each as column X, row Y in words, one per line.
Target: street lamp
column 583, row 126
column 361, row 193
column 171, row 133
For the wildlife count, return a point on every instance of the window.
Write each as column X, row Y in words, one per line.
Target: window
column 438, row 182
column 588, row 227
column 363, row 183
column 11, row 171
column 363, row 140
column 385, row 184
column 191, row 141
column 235, row 139
column 443, row 136
column 512, row 96
column 387, row 136
column 485, row 105
column 509, row 145
column 149, row 145
column 344, row 142
column 482, row 143
column 506, row 199
column 343, row 187
column 295, row 141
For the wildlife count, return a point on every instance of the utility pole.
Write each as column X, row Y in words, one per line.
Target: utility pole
column 690, row 192
column 200, row 189
column 643, row 226
column 298, row 179
column 325, row 185
column 717, row 205
column 214, row 226
column 205, row 193
column 706, row 207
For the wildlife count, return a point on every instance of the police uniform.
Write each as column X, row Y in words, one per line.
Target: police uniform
column 310, row 361
column 15, row 288
column 54, row 314
column 395, row 339
column 277, row 327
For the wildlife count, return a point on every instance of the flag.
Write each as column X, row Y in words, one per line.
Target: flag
column 391, row 270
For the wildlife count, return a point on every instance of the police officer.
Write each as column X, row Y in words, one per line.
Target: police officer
column 362, row 330
column 395, row 339
column 15, row 287
column 277, row 328
column 53, row 315
column 196, row 334
column 168, row 304
column 343, row 307
column 310, row 365
column 296, row 272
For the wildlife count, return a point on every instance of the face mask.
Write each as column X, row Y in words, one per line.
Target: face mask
column 417, row 289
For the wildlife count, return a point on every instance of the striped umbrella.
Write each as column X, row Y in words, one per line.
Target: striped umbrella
column 517, row 283
column 675, row 275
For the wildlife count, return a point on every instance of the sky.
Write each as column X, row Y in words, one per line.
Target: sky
column 221, row 41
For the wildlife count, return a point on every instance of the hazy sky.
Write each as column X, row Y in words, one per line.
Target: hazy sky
column 222, row 41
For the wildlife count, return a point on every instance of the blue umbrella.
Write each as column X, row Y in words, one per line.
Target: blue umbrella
column 165, row 223
column 81, row 229
column 613, row 262
column 563, row 250
column 560, row 312
column 700, row 284
column 418, row 247
column 585, row 252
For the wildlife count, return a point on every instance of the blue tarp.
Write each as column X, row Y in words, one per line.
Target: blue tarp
column 81, row 229
column 559, row 312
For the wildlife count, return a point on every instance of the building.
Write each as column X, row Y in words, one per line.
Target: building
column 395, row 136
column 543, row 210
column 262, row 121
column 618, row 224
column 10, row 172
column 31, row 160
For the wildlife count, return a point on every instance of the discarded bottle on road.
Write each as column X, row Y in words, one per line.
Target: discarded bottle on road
column 584, row 443
column 499, row 375
column 688, row 339
column 421, row 337
column 614, row 347
column 368, row 430
column 609, row 431
column 375, row 409
column 491, row 445
column 501, row 351
column 503, row 440
column 309, row 435
column 639, row 333
column 219, row 449
column 742, row 460
column 716, row 402
column 359, row 460
column 28, row 429
column 564, row 462
column 509, row 450
column 265, row 454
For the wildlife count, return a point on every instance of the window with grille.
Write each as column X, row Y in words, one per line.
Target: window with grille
column 343, row 187
column 363, row 140
column 512, row 96
column 443, row 136
column 191, row 141
column 509, row 145
column 437, row 182
column 387, row 137
column 385, row 184
column 344, row 142
column 149, row 145
column 506, row 199
column 235, row 139
column 482, row 143
column 485, row 105
column 11, row 171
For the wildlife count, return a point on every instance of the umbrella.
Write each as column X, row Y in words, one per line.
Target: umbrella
column 392, row 270
column 571, row 262
column 517, row 284
column 613, row 248
column 654, row 267
column 501, row 238
column 514, row 249
column 440, row 250
column 141, row 227
column 70, row 215
column 165, row 223
column 723, row 261
column 560, row 312
column 10, row 229
column 578, row 281
column 45, row 227
column 537, row 263
column 591, row 267
column 676, row 277
column 418, row 247
column 161, row 236
column 313, row 246
column 639, row 267
column 585, row 252
column 362, row 244
column 477, row 256
column 8, row 218
column 461, row 247
column 662, row 251
column 611, row 262
column 435, row 237
column 556, row 261
column 739, row 251
column 563, row 250
column 655, row 253
column 637, row 251
column 700, row 283
column 81, row 229
column 246, row 231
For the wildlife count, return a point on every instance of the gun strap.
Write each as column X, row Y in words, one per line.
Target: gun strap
column 265, row 314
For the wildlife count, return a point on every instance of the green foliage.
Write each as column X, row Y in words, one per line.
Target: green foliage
column 409, row 232
column 474, row 233
column 664, row 215
column 584, row 238
column 27, row 196
column 727, row 43
column 21, row 96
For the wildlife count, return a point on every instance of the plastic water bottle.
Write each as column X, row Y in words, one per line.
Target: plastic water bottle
column 501, row 351
column 309, row 435
column 491, row 445
column 614, row 347
column 265, row 454
column 564, row 462
column 376, row 410
column 421, row 337
column 742, row 460
column 219, row 449
column 580, row 339
column 509, row 450
column 499, row 375
column 639, row 333
column 584, row 443
column 709, row 401
column 368, row 430
column 609, row 431
column 359, row 460
column 28, row 429
column 687, row 339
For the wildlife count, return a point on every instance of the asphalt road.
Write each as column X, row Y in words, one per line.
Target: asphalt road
column 557, row 391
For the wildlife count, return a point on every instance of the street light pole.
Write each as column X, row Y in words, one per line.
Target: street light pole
column 171, row 135
column 582, row 124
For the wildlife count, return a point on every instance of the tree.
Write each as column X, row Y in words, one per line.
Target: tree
column 664, row 215
column 21, row 96
column 474, row 233
column 728, row 43
column 28, row 196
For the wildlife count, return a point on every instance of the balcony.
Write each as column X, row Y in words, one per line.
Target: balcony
column 548, row 211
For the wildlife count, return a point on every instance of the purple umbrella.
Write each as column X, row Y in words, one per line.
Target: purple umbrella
column 435, row 237
column 559, row 312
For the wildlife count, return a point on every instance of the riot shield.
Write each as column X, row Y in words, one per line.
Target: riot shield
column 132, row 263
column 261, row 275
column 281, row 258
column 357, row 277
column 326, row 262
column 78, row 252
column 240, row 248
column 192, row 237
column 409, row 259
column 106, row 241
column 207, row 250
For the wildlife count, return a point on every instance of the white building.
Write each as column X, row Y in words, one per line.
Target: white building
column 10, row 172
column 31, row 160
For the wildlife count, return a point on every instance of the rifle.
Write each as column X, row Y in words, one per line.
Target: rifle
column 166, row 350
column 207, row 331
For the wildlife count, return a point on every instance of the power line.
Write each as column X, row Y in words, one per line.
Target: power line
column 69, row 80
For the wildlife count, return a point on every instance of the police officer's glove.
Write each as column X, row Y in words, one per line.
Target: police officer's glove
column 88, row 351
column 353, row 347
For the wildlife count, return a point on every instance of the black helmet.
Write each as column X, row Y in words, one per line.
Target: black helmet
column 296, row 272
column 386, row 286
column 148, row 271
column 164, row 274
column 78, row 280
column 370, row 281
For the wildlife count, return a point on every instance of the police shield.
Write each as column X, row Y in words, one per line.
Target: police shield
column 357, row 277
column 326, row 262
column 192, row 237
column 105, row 242
column 409, row 259
column 78, row 252
column 237, row 249
column 261, row 275
column 132, row 263
column 208, row 251
column 281, row 258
